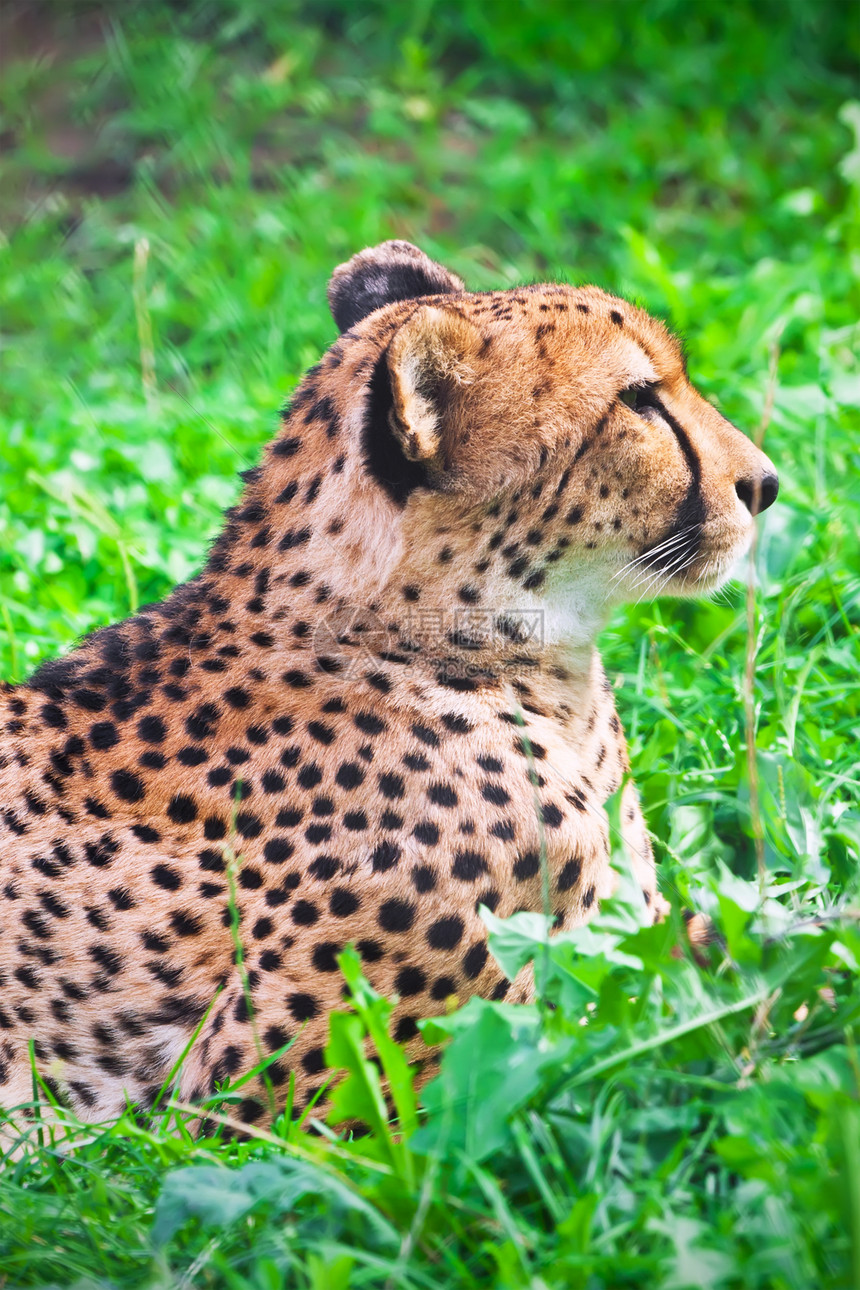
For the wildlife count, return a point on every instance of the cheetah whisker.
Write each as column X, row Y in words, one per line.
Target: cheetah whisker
column 648, row 555
column 648, row 574
column 664, row 576
column 675, row 544
column 678, row 545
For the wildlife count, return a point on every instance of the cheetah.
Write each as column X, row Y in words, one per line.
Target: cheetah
column 377, row 707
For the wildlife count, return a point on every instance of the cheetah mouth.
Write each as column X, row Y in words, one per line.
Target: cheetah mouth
column 717, row 562
column 685, row 563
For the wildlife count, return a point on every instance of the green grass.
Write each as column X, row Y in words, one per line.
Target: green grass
column 179, row 184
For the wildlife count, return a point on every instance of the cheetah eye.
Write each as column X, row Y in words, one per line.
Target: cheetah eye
column 637, row 397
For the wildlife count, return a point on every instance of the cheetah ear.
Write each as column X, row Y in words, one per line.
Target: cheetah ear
column 382, row 274
column 428, row 358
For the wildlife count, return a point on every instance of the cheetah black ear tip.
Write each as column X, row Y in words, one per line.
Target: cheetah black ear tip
column 379, row 275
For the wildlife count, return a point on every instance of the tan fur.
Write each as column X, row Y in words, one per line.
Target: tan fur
column 346, row 709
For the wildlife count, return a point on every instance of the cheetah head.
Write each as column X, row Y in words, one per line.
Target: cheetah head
column 535, row 445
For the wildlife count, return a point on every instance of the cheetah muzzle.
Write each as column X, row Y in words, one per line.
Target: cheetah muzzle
column 388, row 657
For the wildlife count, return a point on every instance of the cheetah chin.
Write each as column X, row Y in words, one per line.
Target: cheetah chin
column 375, row 704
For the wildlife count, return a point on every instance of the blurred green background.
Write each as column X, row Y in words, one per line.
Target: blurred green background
column 177, row 182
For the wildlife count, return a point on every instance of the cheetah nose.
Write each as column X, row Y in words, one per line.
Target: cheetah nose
column 758, row 494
